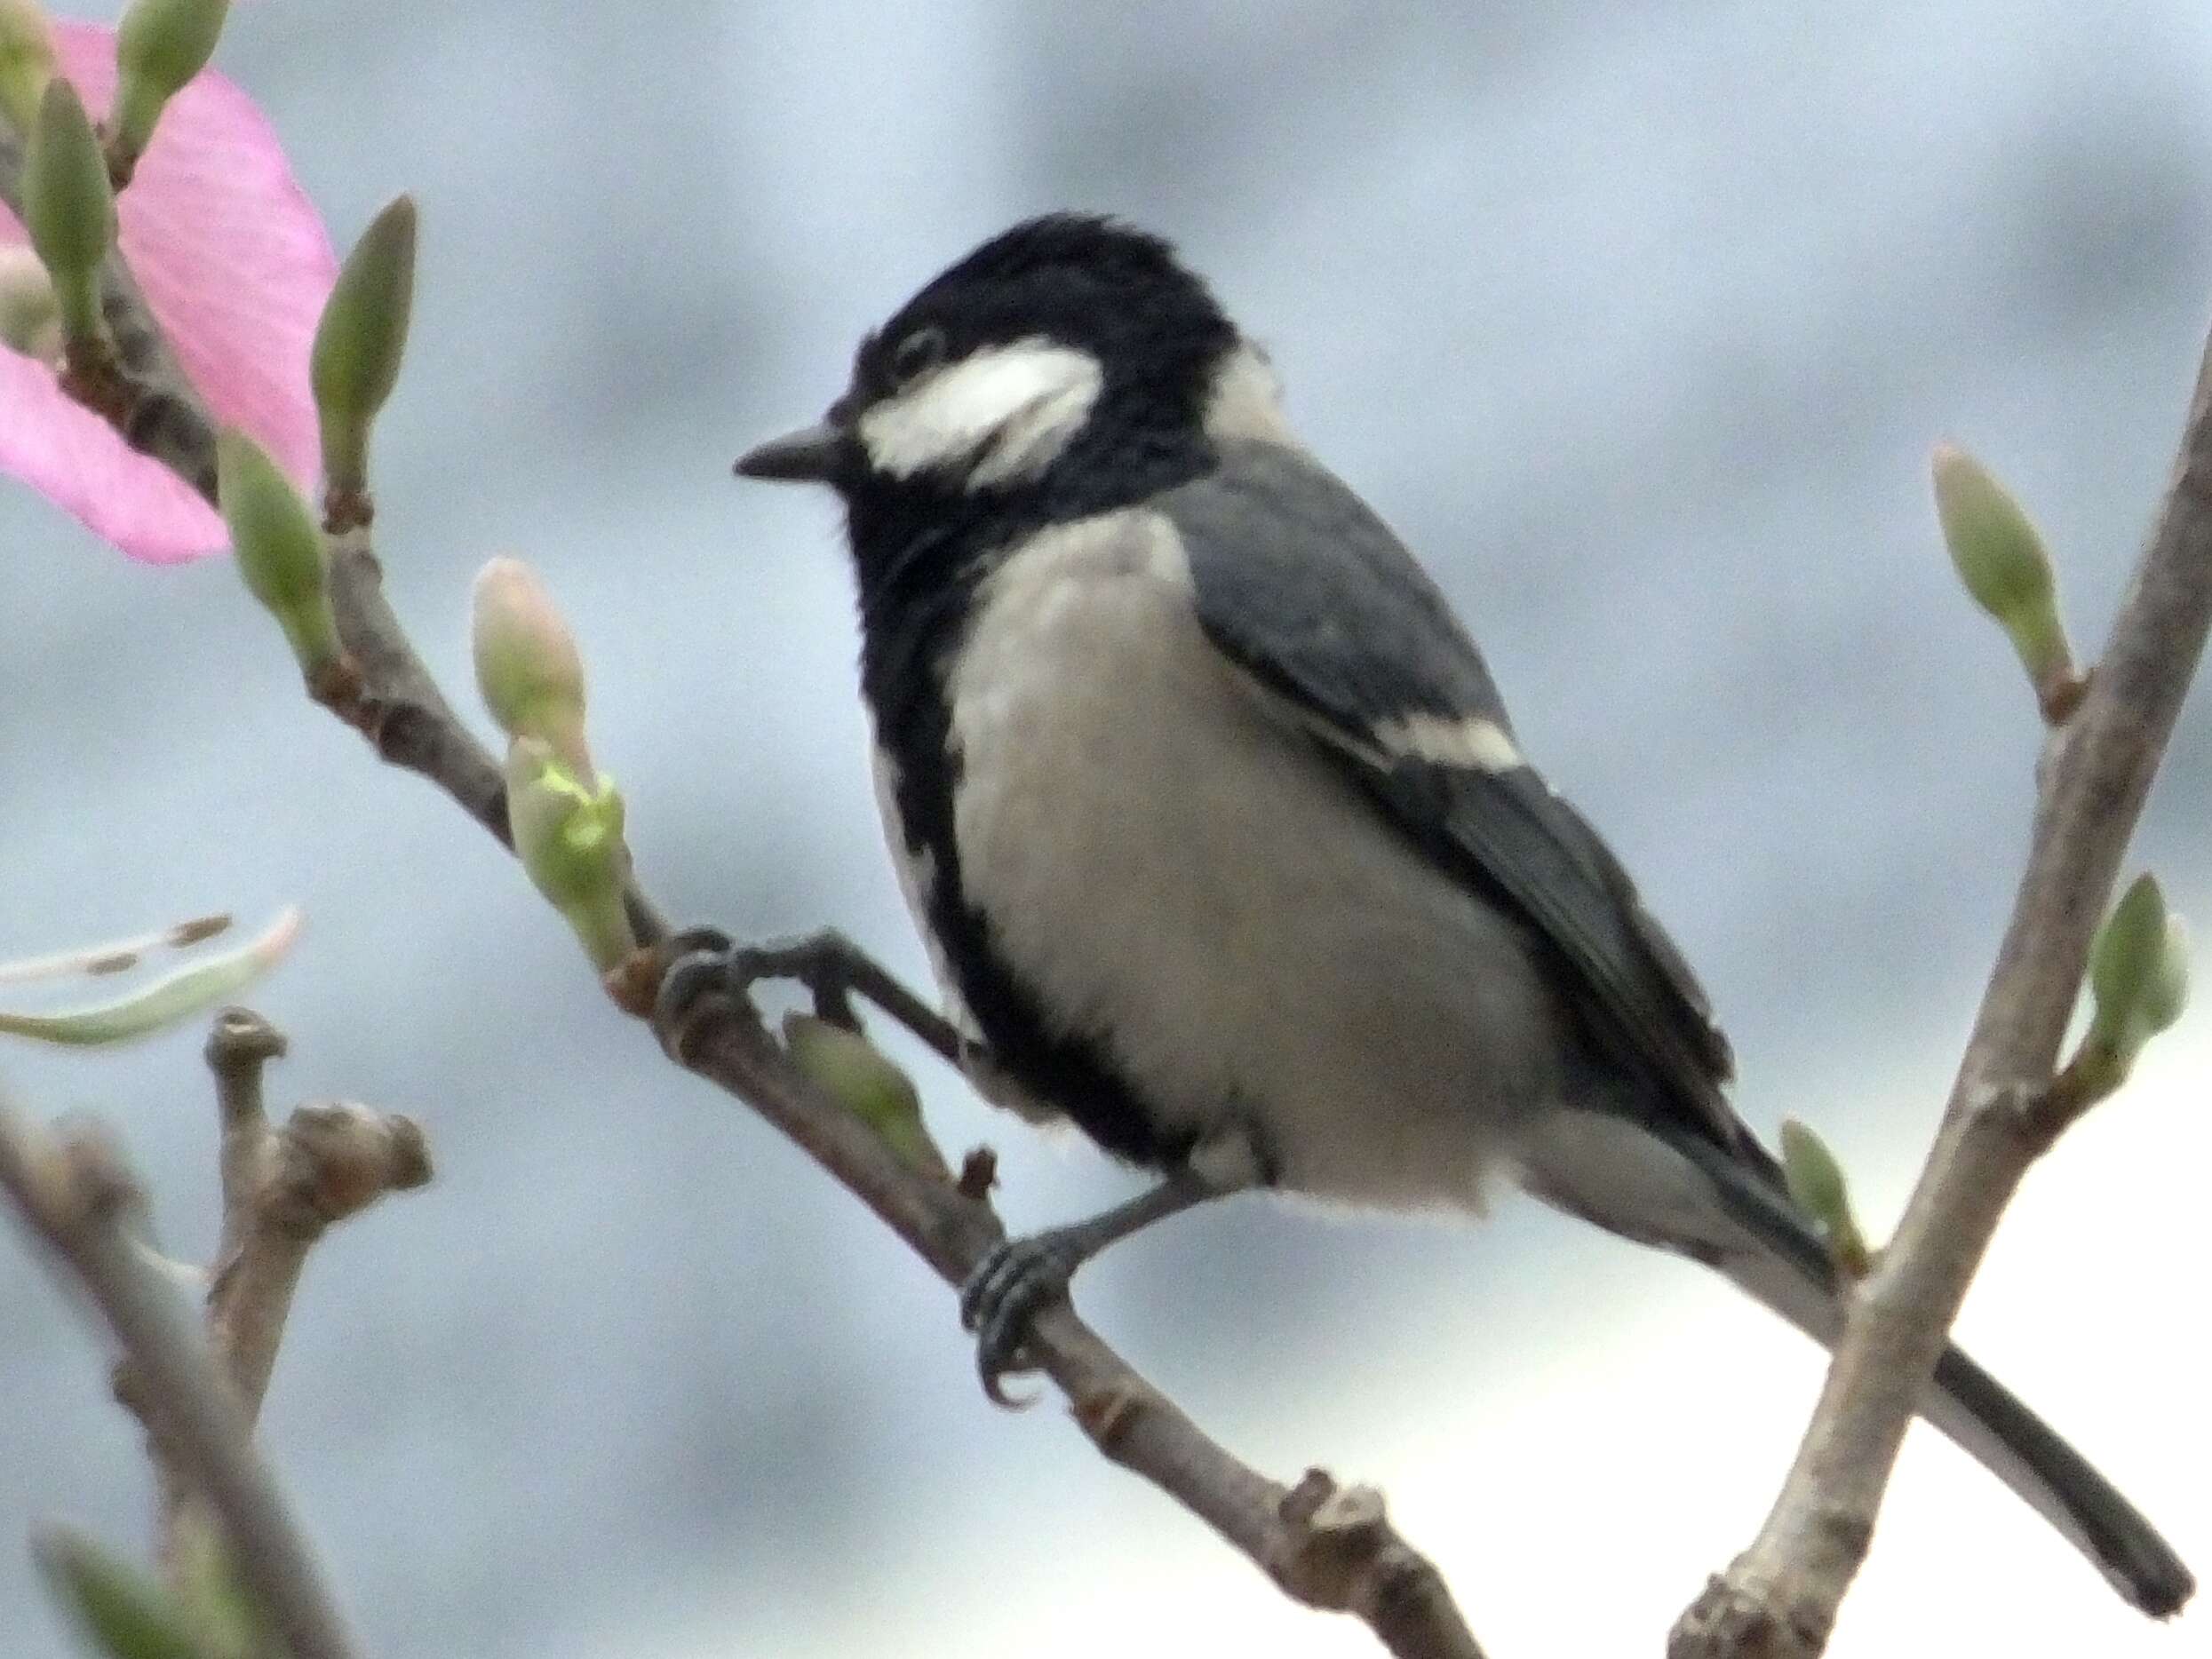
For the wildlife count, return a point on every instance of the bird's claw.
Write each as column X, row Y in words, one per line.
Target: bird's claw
column 699, row 961
column 821, row 962
column 1010, row 1286
column 702, row 959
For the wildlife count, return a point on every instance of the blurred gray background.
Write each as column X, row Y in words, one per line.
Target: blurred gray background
column 1638, row 321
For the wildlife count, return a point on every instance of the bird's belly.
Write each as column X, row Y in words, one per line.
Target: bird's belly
column 1179, row 875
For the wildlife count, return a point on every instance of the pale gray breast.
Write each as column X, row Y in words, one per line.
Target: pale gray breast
column 1183, row 876
column 916, row 875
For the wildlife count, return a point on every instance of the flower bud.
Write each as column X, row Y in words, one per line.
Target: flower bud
column 359, row 342
column 27, row 62
column 866, row 1084
column 2138, row 977
column 30, row 317
column 2002, row 562
column 1817, row 1186
column 160, row 45
column 278, row 549
column 67, row 206
column 527, row 665
column 568, row 833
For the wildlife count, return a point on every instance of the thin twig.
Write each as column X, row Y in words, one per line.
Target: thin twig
column 1778, row 1599
column 397, row 706
column 1325, row 1555
column 146, row 396
column 240, row 1045
column 73, row 1190
column 282, row 1187
column 1338, row 1556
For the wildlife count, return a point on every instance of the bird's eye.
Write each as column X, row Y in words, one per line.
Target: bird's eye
column 917, row 354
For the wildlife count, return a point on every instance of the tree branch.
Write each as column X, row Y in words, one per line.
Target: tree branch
column 1329, row 1549
column 282, row 1187
column 147, row 398
column 1778, row 1599
column 1332, row 1550
column 75, row 1193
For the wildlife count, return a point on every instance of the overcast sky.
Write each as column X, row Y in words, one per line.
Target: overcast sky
column 1637, row 321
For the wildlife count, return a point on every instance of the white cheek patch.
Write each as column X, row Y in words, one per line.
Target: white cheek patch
column 1450, row 741
column 1003, row 413
column 1246, row 401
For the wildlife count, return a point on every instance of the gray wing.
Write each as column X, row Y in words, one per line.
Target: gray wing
column 1302, row 587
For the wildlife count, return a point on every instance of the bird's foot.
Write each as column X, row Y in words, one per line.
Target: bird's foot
column 828, row 965
column 703, row 959
column 697, row 964
column 1010, row 1286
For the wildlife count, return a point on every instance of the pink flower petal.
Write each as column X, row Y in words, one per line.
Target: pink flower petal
column 235, row 265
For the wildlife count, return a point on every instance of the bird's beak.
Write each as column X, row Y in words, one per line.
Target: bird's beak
column 812, row 455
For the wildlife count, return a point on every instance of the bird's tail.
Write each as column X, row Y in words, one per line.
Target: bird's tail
column 1767, row 1248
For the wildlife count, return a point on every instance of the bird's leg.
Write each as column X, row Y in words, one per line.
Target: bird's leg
column 1019, row 1276
column 833, row 968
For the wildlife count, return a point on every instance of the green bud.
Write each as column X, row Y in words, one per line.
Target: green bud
column 181, row 996
column 160, row 45
column 27, row 62
column 2168, row 993
column 279, row 549
column 2138, row 979
column 526, row 664
column 67, row 206
column 866, row 1084
column 358, row 344
column 125, row 1611
column 1817, row 1186
column 30, row 317
column 1999, row 555
column 2002, row 561
column 568, row 833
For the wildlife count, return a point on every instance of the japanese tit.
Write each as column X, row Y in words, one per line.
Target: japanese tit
column 1223, row 844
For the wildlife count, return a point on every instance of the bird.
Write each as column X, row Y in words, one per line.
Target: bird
column 1223, row 843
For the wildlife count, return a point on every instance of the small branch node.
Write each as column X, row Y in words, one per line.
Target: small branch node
column 92, row 378
column 2009, row 1103
column 2061, row 695
column 979, row 1174
column 334, row 1159
column 632, row 983
column 1108, row 1414
column 337, row 685
column 345, row 510
column 1735, row 1621
column 1350, row 1511
column 239, row 1045
column 96, row 1184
